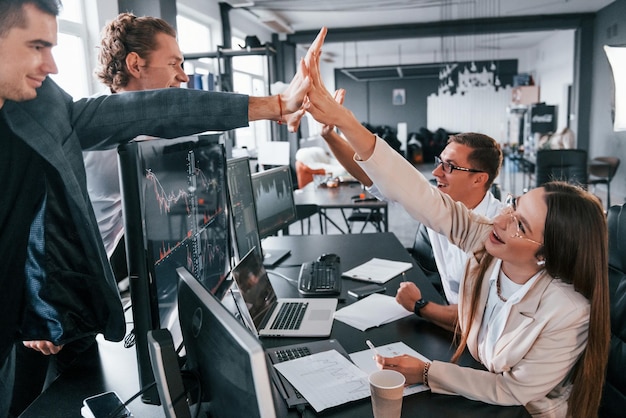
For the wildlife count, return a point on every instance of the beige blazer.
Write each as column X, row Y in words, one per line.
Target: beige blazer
column 546, row 331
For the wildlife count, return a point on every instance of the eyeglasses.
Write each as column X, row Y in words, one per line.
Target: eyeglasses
column 509, row 209
column 448, row 167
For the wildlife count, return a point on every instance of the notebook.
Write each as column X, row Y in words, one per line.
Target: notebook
column 270, row 316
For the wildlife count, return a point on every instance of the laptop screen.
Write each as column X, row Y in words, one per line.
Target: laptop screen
column 243, row 209
column 255, row 286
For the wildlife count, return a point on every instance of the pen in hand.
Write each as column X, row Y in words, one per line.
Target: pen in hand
column 371, row 346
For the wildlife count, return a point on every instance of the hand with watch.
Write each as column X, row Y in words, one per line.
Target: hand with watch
column 410, row 297
column 419, row 304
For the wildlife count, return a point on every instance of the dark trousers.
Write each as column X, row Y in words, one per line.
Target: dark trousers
column 7, row 372
column 34, row 371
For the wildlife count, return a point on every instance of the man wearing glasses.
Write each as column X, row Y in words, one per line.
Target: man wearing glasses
column 465, row 170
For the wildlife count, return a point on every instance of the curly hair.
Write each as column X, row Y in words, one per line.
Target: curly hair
column 127, row 33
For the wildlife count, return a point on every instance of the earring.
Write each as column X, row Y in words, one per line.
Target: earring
column 541, row 263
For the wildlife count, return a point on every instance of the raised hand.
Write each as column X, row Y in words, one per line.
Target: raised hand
column 292, row 98
column 339, row 96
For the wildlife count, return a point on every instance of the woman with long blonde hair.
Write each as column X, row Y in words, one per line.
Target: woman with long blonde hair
column 533, row 305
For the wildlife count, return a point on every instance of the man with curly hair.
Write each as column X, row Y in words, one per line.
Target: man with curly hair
column 135, row 53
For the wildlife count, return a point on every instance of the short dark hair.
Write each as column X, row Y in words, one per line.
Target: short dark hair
column 12, row 12
column 125, row 34
column 486, row 154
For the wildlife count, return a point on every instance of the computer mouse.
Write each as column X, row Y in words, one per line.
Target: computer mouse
column 328, row 258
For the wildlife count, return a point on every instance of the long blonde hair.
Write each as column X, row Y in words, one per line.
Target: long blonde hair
column 580, row 260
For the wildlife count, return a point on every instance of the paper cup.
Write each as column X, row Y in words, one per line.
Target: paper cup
column 387, row 387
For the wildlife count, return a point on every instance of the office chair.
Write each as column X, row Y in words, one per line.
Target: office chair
column 422, row 253
column 614, row 393
column 601, row 171
column 568, row 165
column 371, row 216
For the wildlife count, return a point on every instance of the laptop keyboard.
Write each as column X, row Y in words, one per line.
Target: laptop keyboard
column 290, row 354
column 320, row 278
column 290, row 315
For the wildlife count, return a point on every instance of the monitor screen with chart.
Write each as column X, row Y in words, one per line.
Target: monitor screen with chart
column 273, row 197
column 174, row 200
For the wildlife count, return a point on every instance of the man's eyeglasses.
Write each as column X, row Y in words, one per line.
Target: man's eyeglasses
column 509, row 210
column 448, row 167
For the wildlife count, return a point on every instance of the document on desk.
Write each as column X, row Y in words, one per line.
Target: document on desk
column 326, row 379
column 365, row 361
column 377, row 270
column 372, row 311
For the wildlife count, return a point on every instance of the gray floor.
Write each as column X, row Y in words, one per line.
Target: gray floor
column 404, row 227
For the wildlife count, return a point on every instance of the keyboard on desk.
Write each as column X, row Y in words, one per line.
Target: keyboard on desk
column 320, row 277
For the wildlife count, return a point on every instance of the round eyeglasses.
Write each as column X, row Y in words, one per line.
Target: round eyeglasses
column 509, row 210
column 449, row 167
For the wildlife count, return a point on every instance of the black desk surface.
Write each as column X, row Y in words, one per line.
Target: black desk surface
column 116, row 368
column 335, row 197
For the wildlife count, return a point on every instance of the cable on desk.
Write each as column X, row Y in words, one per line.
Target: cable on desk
column 120, row 408
column 294, row 282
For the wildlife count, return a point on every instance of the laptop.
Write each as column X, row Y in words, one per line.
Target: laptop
column 269, row 316
column 289, row 352
column 274, row 256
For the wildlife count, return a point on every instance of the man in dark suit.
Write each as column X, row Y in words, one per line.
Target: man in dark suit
column 56, row 284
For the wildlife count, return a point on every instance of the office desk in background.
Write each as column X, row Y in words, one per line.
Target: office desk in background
column 116, row 369
column 339, row 198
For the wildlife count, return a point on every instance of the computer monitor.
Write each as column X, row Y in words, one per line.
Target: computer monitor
column 174, row 203
column 273, row 197
column 229, row 361
column 243, row 209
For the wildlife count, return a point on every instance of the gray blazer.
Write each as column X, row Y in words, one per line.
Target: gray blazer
column 59, row 130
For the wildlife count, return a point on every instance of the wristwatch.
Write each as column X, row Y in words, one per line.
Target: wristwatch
column 419, row 305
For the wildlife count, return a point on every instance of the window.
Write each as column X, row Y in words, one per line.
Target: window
column 70, row 53
column 249, row 77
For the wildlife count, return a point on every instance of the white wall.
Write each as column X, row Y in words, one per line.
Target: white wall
column 552, row 64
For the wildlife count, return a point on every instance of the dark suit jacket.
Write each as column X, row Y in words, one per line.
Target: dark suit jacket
column 59, row 130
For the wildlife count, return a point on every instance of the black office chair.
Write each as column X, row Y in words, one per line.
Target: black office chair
column 568, row 165
column 304, row 212
column 422, row 252
column 614, row 393
column 601, row 171
column 366, row 216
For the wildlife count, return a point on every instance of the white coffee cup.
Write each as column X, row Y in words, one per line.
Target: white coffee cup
column 387, row 388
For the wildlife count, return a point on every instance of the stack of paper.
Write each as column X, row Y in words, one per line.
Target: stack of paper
column 372, row 311
column 326, row 379
column 378, row 270
column 365, row 361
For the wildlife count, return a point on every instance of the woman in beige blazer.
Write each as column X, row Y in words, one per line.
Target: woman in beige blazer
column 533, row 306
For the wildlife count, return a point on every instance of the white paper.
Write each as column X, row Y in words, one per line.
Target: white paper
column 378, row 270
column 326, row 379
column 372, row 311
column 365, row 361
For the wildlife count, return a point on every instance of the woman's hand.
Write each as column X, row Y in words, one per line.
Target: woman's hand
column 412, row 368
column 339, row 96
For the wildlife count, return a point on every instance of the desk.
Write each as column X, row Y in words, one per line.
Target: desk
column 116, row 369
column 423, row 336
column 341, row 197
